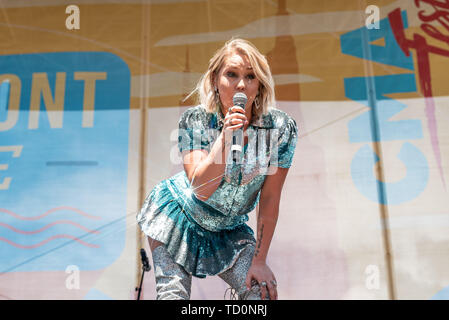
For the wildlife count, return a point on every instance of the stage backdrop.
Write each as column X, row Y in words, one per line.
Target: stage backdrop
column 90, row 97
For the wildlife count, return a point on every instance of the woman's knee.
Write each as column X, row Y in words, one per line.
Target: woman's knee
column 172, row 281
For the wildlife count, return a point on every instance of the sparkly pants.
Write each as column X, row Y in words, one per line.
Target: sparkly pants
column 174, row 283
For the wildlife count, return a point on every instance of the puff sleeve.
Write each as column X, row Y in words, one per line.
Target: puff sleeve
column 288, row 137
column 192, row 130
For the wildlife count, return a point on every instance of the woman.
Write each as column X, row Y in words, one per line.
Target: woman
column 195, row 220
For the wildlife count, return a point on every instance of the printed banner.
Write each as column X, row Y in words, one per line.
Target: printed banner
column 90, row 98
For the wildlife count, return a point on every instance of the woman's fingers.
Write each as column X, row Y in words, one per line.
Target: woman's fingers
column 249, row 278
column 235, row 120
column 236, row 116
column 263, row 289
column 236, row 112
column 268, row 290
column 239, row 109
column 233, row 124
column 272, row 291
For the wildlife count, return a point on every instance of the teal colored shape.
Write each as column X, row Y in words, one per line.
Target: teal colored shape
column 352, row 43
column 407, row 189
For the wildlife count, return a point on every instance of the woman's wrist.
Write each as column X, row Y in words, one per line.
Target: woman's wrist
column 259, row 258
column 225, row 143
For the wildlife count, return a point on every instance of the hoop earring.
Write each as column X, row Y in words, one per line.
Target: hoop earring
column 256, row 102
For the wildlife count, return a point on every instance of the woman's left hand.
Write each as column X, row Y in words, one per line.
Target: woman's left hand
column 260, row 272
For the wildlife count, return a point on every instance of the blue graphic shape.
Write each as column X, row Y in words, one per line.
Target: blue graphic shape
column 415, row 181
column 95, row 294
column 443, row 294
column 381, row 109
column 390, row 54
column 66, row 202
column 4, row 97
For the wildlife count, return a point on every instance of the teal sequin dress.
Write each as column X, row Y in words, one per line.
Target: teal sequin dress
column 206, row 237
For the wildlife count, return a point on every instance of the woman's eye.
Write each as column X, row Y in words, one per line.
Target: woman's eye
column 230, row 74
column 251, row 76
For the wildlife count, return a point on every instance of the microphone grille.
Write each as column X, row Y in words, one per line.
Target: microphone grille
column 239, row 99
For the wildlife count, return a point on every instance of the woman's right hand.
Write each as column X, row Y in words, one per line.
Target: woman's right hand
column 235, row 118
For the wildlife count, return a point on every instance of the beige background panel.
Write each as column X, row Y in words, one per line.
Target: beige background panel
column 419, row 228
column 355, row 221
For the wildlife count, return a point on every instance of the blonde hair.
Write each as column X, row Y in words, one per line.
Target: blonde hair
column 205, row 86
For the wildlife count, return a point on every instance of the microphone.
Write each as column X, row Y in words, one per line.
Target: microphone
column 145, row 262
column 240, row 100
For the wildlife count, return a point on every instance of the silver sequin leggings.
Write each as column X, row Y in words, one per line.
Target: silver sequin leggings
column 174, row 283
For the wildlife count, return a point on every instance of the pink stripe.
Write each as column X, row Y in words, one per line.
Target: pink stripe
column 432, row 123
column 48, row 226
column 15, row 215
column 58, row 236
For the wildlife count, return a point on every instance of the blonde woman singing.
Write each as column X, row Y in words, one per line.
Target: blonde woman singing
column 196, row 220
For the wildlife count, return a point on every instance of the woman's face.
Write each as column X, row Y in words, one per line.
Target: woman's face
column 236, row 75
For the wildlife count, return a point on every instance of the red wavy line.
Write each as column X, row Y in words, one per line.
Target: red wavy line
column 48, row 226
column 58, row 236
column 17, row 216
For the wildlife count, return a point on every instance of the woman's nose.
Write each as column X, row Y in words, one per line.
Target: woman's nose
column 241, row 84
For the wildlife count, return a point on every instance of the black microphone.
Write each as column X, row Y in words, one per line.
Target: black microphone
column 145, row 262
column 239, row 99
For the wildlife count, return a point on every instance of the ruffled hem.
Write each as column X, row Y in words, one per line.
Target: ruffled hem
column 201, row 252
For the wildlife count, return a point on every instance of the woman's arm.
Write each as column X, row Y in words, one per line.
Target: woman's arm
column 205, row 170
column 267, row 215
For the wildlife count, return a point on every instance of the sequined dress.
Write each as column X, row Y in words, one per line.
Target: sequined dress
column 206, row 237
